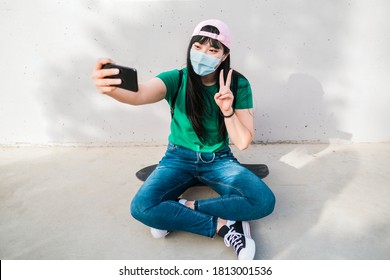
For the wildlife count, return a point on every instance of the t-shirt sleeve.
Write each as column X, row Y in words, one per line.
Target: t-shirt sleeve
column 244, row 99
column 171, row 81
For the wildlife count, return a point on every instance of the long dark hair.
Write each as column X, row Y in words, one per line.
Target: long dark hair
column 196, row 100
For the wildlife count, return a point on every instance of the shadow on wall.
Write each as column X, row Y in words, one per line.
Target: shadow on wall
column 299, row 113
column 293, row 48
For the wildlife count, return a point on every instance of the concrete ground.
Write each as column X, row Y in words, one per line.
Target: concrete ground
column 333, row 202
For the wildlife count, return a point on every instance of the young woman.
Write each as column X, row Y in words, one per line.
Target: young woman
column 206, row 115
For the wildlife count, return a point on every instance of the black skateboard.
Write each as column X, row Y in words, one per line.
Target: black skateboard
column 261, row 170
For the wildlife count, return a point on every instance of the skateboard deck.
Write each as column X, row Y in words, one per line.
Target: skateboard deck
column 261, row 170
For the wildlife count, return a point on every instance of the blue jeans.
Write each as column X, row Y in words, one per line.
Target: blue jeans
column 243, row 195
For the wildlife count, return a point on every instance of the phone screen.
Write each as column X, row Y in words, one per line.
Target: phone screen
column 127, row 75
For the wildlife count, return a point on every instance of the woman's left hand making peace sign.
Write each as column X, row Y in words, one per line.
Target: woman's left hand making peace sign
column 224, row 98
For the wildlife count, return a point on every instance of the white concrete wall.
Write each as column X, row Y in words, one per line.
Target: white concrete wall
column 319, row 69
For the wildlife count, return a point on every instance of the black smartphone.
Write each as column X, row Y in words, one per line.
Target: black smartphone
column 127, row 75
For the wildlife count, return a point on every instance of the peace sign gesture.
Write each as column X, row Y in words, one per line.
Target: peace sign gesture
column 224, row 98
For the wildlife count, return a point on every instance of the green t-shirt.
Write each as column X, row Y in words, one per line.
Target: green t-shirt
column 182, row 133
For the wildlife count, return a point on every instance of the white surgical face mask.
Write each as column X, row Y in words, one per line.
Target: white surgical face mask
column 202, row 63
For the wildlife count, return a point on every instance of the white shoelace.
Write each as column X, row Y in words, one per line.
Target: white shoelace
column 233, row 238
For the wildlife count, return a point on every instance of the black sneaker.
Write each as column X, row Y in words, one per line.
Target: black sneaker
column 238, row 236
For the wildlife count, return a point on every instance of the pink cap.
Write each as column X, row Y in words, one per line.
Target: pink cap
column 224, row 35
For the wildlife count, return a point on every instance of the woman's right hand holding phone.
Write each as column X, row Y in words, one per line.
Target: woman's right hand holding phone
column 152, row 91
column 103, row 84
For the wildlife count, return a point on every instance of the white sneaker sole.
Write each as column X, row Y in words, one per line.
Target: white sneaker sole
column 158, row 233
column 248, row 253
